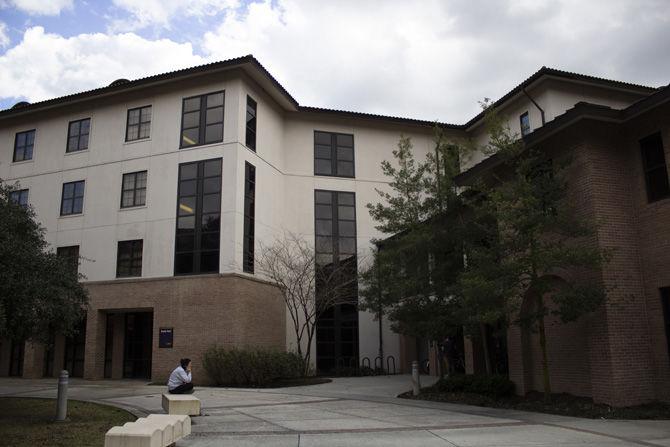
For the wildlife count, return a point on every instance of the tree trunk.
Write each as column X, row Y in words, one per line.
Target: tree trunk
column 485, row 346
column 440, row 360
column 381, row 337
column 545, row 363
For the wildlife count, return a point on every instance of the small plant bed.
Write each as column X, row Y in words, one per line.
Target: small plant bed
column 29, row 422
column 459, row 390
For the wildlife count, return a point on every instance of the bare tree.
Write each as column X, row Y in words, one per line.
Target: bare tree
column 308, row 289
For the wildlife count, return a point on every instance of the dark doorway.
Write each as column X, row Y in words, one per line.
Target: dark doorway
column 109, row 346
column 16, row 358
column 75, row 348
column 337, row 340
column 49, row 351
column 137, row 345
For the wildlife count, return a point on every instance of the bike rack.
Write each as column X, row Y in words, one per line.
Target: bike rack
column 363, row 362
column 388, row 368
column 381, row 363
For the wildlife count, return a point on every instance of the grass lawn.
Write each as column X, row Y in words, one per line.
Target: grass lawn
column 563, row 404
column 30, row 422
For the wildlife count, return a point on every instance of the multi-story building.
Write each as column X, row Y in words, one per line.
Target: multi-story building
column 168, row 186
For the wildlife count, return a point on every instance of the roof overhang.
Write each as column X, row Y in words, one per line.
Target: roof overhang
column 582, row 111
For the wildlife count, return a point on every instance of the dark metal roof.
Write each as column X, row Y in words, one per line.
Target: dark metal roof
column 116, row 87
column 373, row 116
column 169, row 76
column 546, row 71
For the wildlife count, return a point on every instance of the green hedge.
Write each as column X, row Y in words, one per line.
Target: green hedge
column 488, row 385
column 250, row 367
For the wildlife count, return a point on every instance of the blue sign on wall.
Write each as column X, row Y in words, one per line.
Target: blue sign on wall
column 165, row 335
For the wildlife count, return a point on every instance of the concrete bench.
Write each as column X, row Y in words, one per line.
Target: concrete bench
column 181, row 423
column 156, row 430
column 181, row 404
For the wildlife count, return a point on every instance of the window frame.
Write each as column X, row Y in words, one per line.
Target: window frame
column 333, row 155
column 198, row 213
column 74, row 196
column 135, row 189
column 335, row 223
column 20, row 192
column 249, row 225
column 32, row 149
column 202, row 124
column 255, row 125
column 525, row 130
column 79, row 135
column 132, row 246
column 651, row 195
column 139, row 123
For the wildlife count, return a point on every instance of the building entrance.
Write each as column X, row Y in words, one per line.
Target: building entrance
column 137, row 345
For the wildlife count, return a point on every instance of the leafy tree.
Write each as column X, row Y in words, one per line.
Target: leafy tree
column 39, row 291
column 526, row 231
column 412, row 274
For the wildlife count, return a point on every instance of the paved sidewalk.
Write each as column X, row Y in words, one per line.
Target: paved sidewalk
column 354, row 411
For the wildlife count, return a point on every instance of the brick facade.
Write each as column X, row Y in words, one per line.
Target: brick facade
column 227, row 310
column 619, row 354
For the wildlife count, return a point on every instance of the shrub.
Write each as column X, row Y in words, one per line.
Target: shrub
column 488, row 385
column 250, row 367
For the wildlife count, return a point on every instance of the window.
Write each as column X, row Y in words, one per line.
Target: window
column 20, row 197
column 524, row 121
column 250, row 140
column 333, row 154
column 249, row 216
column 134, row 189
column 129, row 259
column 71, row 254
column 202, row 120
column 23, row 145
column 335, row 228
column 72, row 201
column 655, row 170
column 138, row 125
column 77, row 135
column 198, row 218
column 665, row 303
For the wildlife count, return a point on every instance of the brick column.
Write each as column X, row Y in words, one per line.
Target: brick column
column 94, row 360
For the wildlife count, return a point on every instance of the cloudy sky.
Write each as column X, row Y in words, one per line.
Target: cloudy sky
column 428, row 59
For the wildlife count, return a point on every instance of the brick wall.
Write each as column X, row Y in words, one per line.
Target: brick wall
column 227, row 310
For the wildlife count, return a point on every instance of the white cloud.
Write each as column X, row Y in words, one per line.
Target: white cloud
column 159, row 13
column 4, row 38
column 46, row 65
column 437, row 60
column 392, row 57
column 40, row 7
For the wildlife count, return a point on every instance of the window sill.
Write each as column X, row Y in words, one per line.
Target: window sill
column 23, row 162
column 349, row 177
column 199, row 146
column 131, row 208
column 69, row 216
column 77, row 152
column 139, row 140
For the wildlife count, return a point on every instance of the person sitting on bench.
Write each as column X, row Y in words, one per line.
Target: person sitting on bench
column 180, row 379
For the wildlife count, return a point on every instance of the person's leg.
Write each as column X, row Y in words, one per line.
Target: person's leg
column 182, row 389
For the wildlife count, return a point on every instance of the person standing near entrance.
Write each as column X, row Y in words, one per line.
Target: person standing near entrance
column 180, row 381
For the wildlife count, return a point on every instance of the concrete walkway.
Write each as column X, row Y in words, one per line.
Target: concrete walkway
column 354, row 411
